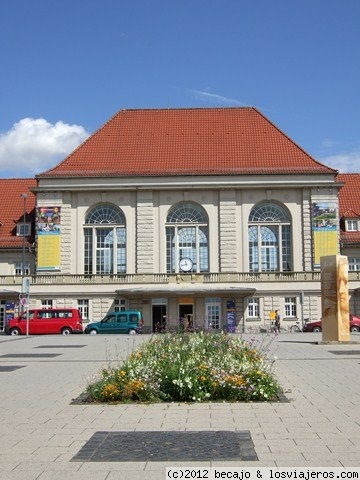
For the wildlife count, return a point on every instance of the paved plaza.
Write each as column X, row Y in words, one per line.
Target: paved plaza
column 45, row 435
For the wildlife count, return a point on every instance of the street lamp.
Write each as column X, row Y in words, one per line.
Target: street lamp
column 24, row 290
column 24, row 197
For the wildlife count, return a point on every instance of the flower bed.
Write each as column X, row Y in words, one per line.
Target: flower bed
column 190, row 367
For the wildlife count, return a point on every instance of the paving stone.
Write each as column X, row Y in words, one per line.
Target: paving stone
column 168, row 446
column 318, row 426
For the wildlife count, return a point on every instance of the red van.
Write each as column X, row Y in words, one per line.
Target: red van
column 46, row 321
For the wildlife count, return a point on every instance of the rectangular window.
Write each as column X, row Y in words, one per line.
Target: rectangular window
column 121, row 250
column 119, row 304
column 187, row 244
column 269, row 248
column 18, row 269
column 23, row 229
column 286, row 248
column 88, row 260
column 83, row 306
column 254, row 307
column 203, row 249
column 354, row 264
column 104, row 251
column 46, row 304
column 351, row 225
column 253, row 249
column 170, row 249
column 290, row 307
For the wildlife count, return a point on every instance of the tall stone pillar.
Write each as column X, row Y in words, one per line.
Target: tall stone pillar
column 335, row 298
column 145, row 232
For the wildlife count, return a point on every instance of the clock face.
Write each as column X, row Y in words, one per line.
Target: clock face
column 186, row 264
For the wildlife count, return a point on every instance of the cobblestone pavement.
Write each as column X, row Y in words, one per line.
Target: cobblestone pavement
column 42, row 431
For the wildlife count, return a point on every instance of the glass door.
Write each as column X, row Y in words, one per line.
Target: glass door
column 212, row 314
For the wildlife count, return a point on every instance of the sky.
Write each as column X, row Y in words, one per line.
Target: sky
column 68, row 66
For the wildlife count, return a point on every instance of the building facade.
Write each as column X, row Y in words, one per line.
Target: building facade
column 208, row 218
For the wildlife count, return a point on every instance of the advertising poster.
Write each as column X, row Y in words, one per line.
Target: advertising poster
column 324, row 230
column 230, row 316
column 48, row 224
column 10, row 311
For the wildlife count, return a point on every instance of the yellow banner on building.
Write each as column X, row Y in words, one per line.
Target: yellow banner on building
column 48, row 252
column 325, row 232
column 325, row 243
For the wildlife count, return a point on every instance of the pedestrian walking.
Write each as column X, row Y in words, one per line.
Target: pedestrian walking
column 277, row 322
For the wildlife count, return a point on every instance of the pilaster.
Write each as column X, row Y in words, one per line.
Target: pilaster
column 228, row 248
column 145, row 244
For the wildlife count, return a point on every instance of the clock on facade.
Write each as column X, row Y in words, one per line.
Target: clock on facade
column 186, row 264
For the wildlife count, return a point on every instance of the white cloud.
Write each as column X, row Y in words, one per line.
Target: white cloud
column 208, row 97
column 328, row 143
column 347, row 162
column 32, row 146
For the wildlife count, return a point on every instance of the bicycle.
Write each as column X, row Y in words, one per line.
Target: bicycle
column 295, row 328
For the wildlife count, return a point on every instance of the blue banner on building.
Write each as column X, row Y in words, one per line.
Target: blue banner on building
column 230, row 316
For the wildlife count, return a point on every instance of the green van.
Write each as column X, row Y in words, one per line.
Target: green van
column 127, row 321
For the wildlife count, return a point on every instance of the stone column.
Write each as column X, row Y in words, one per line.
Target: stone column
column 335, row 298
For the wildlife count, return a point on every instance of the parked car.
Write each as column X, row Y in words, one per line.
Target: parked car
column 46, row 321
column 127, row 321
column 317, row 326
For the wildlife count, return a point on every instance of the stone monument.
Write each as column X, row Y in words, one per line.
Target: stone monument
column 335, row 298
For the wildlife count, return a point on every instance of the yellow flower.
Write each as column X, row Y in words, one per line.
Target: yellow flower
column 236, row 380
column 133, row 388
column 203, row 367
column 111, row 391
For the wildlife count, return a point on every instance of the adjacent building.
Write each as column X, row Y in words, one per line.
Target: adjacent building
column 209, row 218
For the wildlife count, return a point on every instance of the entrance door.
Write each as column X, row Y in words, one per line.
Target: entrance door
column 186, row 317
column 213, row 315
column 159, row 318
column 2, row 317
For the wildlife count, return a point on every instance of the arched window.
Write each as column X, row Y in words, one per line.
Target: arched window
column 187, row 233
column 104, row 240
column 269, row 239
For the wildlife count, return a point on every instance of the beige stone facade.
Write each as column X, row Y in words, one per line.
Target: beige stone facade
column 148, row 286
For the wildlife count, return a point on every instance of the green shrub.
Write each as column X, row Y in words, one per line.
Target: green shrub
column 195, row 367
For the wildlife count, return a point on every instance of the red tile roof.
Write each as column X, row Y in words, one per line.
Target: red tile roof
column 349, row 196
column 349, row 205
column 12, row 210
column 204, row 141
column 350, row 238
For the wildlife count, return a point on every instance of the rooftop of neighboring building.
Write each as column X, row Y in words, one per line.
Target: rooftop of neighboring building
column 349, row 204
column 12, row 210
column 349, row 196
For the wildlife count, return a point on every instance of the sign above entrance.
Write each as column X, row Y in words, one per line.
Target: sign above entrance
column 187, row 300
